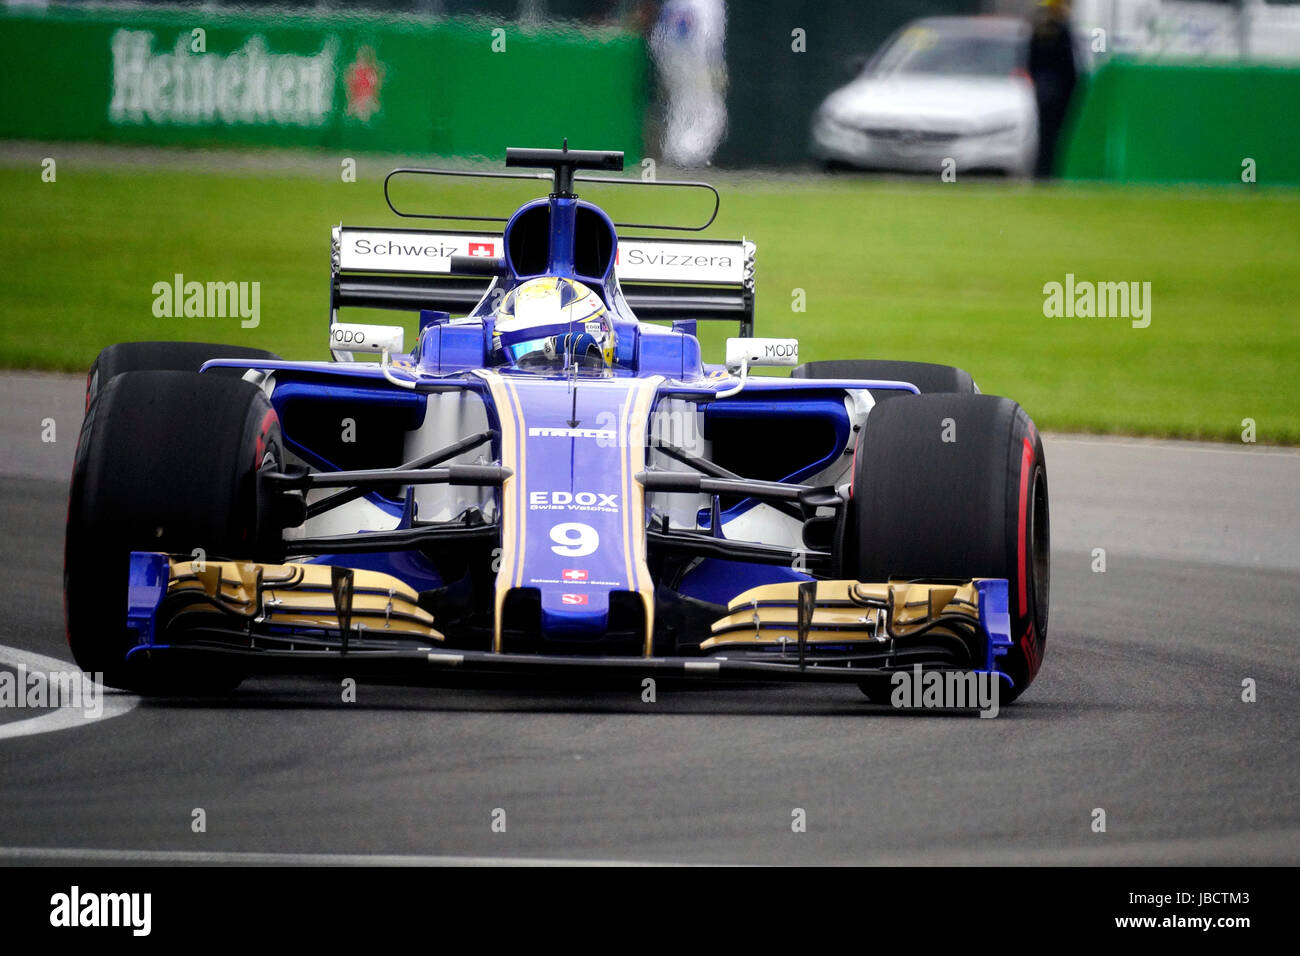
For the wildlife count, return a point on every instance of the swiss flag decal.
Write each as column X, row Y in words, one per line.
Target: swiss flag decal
column 573, row 574
column 482, row 249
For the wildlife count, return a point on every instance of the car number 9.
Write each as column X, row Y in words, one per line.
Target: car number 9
column 573, row 539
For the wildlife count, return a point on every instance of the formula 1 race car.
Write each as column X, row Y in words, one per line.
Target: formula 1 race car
column 550, row 479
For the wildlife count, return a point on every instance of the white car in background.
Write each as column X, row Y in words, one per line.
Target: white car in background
column 941, row 88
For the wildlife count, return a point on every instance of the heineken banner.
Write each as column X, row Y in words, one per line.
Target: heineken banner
column 198, row 77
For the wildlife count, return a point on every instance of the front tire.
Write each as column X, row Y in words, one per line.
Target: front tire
column 955, row 486
column 166, row 461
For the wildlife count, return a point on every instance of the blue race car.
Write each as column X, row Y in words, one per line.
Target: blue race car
column 551, row 478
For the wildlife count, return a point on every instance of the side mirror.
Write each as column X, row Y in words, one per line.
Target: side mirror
column 777, row 353
column 349, row 337
column 742, row 353
column 384, row 340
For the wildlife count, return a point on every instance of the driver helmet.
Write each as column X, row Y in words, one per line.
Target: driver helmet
column 553, row 323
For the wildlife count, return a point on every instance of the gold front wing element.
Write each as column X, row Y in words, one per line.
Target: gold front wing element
column 299, row 596
column 843, row 612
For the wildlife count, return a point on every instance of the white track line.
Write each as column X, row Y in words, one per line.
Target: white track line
column 1170, row 444
column 1266, row 848
column 115, row 704
column 225, row 857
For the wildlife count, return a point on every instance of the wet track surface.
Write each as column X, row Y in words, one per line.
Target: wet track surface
column 1137, row 711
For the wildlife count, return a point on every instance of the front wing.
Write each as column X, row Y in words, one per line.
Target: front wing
column 309, row 618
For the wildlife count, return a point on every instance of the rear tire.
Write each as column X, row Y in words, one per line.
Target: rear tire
column 166, row 461
column 955, row 486
column 165, row 356
column 927, row 377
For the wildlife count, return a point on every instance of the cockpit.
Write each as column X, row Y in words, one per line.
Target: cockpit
column 553, row 323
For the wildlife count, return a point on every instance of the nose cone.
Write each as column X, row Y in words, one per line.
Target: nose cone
column 573, row 514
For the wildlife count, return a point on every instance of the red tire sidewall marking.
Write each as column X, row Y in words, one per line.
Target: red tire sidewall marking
column 1029, row 640
column 1022, row 532
column 268, row 420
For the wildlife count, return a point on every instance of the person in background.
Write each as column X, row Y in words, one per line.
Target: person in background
column 687, row 45
column 1053, row 70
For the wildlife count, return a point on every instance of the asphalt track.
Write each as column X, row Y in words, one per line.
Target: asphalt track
column 1138, row 712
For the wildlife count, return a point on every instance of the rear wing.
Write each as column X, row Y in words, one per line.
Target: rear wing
column 661, row 279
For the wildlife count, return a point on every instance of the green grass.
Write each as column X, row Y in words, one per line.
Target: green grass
column 949, row 273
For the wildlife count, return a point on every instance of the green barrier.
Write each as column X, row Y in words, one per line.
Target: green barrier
column 1187, row 123
column 355, row 82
